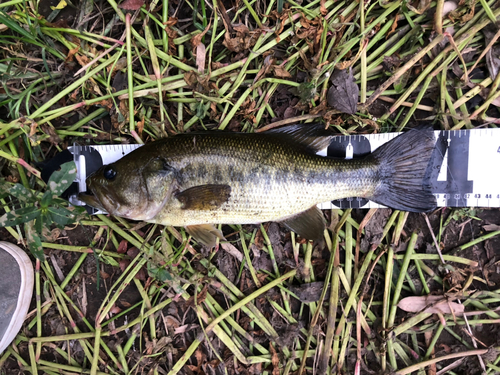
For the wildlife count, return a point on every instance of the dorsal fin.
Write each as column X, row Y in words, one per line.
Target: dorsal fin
column 313, row 137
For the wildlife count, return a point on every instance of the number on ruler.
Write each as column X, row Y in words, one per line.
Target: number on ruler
column 457, row 165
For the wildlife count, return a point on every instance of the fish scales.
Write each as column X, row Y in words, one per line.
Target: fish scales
column 269, row 178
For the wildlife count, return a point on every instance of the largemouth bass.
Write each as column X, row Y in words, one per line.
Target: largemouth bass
column 197, row 180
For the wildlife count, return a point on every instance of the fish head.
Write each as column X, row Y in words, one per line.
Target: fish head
column 131, row 188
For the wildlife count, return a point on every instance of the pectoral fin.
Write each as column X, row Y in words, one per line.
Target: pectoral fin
column 204, row 197
column 309, row 224
column 206, row 234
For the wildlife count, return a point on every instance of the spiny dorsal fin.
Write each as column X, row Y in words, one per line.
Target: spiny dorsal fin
column 204, row 197
column 314, row 137
column 309, row 224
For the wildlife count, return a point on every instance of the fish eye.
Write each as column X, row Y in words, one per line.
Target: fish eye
column 109, row 173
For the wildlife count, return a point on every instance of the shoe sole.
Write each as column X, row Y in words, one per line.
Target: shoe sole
column 25, row 292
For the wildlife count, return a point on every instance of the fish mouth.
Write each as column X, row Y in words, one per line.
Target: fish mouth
column 104, row 202
column 91, row 200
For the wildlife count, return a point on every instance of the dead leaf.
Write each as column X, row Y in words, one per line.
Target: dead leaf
column 264, row 70
column 131, row 4
column 140, row 126
column 320, row 108
column 343, row 95
column 394, row 26
column 190, row 78
column 464, row 12
column 230, row 249
column 133, row 252
column 322, row 7
column 274, row 360
column 311, row 66
column 122, row 247
column 171, row 322
column 225, row 18
column 200, row 57
column 217, row 65
column 124, row 263
column 242, row 41
column 72, row 53
column 281, row 72
column 200, row 359
column 120, row 65
column 196, row 40
column 82, row 60
column 493, row 54
column 455, row 278
column 106, row 103
column 256, row 368
column 172, row 34
column 213, row 108
column 491, row 227
column 51, row 132
column 391, row 63
column 310, row 32
column 431, row 305
column 420, row 6
column 200, row 298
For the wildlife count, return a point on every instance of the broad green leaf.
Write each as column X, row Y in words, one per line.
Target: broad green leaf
column 4, row 188
column 19, row 216
column 18, row 191
column 160, row 273
column 47, row 199
column 60, row 180
column 34, row 241
column 61, row 216
column 41, row 221
column 21, row 193
column 78, row 210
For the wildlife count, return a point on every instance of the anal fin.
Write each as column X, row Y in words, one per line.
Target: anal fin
column 309, row 224
column 206, row 234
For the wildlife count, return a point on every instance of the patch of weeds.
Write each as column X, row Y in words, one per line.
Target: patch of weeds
column 38, row 212
column 464, row 213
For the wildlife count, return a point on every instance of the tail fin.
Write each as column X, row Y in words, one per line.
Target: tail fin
column 404, row 181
